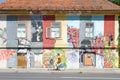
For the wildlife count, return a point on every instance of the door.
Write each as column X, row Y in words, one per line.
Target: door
column 88, row 59
column 22, row 61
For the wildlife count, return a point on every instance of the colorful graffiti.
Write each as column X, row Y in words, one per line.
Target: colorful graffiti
column 37, row 29
column 110, row 59
column 50, row 57
column 98, row 45
column 3, row 31
column 72, row 59
column 73, row 36
column 47, row 55
column 6, row 54
column 3, row 38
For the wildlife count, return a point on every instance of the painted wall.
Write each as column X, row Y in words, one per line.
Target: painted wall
column 6, row 56
column 61, row 42
column 12, row 29
column 83, row 20
column 73, row 28
column 12, row 62
column 49, row 55
column 3, row 31
column 36, row 31
column 99, row 61
column 105, row 34
column 72, row 59
column 98, row 25
column 38, row 61
column 47, row 20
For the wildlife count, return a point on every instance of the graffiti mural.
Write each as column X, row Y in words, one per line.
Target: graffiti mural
column 98, row 45
column 110, row 55
column 47, row 55
column 37, row 29
column 3, row 31
column 110, row 59
column 72, row 59
column 73, row 36
column 63, row 57
column 3, row 38
column 50, row 57
column 6, row 54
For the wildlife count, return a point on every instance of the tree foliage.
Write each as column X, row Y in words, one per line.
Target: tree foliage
column 115, row 1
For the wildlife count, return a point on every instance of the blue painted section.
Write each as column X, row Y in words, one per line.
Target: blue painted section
column 73, row 21
column 12, row 31
column 99, row 61
column 98, row 25
column 83, row 20
column 12, row 62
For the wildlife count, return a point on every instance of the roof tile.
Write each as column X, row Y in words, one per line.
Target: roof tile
column 58, row 5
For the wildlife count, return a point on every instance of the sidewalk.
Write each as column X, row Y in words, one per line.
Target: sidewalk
column 67, row 71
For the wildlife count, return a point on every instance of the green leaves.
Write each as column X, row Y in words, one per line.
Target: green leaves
column 115, row 1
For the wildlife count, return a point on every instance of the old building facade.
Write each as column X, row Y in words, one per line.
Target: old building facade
column 84, row 32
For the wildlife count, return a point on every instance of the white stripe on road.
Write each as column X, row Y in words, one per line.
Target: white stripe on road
column 90, row 78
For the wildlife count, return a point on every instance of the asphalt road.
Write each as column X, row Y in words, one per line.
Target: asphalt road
column 58, row 76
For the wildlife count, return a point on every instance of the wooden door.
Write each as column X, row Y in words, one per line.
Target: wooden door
column 22, row 62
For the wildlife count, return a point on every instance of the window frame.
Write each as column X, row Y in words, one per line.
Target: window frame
column 89, row 32
column 25, row 27
column 49, row 30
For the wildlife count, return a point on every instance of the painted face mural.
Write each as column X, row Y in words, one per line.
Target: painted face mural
column 37, row 29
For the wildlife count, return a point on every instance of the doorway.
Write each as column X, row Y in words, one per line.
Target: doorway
column 22, row 60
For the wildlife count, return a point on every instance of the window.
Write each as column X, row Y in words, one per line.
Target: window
column 54, row 31
column 88, row 55
column 89, row 30
column 21, row 31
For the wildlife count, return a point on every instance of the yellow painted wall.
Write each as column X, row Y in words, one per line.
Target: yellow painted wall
column 116, row 29
column 61, row 42
column 116, row 40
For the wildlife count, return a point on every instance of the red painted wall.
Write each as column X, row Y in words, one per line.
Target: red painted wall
column 109, row 29
column 47, row 42
column 109, row 25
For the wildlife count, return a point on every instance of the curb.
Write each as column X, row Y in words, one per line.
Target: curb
column 68, row 71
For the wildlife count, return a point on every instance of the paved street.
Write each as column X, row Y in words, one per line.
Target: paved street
column 57, row 76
